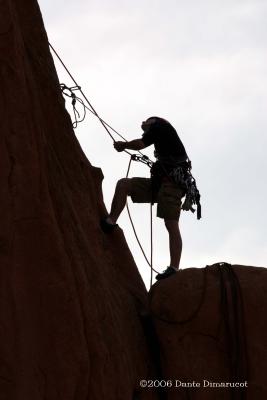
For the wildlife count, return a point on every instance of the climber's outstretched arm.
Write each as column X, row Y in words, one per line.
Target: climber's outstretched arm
column 136, row 144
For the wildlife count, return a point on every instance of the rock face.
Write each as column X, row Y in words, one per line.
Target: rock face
column 70, row 297
column 211, row 324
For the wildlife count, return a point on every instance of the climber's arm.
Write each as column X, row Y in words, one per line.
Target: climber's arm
column 136, row 144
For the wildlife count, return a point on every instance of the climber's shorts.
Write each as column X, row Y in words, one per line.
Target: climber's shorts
column 168, row 198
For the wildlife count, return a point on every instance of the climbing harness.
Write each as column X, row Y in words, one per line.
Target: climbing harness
column 184, row 178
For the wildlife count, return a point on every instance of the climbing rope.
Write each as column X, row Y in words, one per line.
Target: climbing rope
column 151, row 244
column 90, row 108
column 232, row 308
column 85, row 97
column 69, row 92
column 134, row 157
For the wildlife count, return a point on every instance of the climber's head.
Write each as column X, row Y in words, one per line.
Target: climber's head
column 153, row 120
column 147, row 124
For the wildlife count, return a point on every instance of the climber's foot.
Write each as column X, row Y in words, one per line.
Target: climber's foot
column 165, row 274
column 106, row 226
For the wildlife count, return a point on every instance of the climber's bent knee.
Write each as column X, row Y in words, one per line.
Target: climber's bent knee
column 141, row 190
column 124, row 185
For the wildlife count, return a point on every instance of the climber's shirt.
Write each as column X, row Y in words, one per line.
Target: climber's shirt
column 169, row 151
column 169, row 148
column 172, row 171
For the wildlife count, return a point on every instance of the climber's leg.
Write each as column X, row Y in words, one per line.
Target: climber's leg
column 169, row 209
column 138, row 188
column 140, row 191
column 175, row 242
column 123, row 189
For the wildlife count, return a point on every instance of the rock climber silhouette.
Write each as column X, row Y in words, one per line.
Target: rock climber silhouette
column 161, row 188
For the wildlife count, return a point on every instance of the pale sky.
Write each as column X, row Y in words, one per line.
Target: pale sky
column 199, row 64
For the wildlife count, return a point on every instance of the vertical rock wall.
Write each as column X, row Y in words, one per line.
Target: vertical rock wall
column 70, row 297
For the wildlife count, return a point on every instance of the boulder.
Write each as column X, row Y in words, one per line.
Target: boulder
column 211, row 326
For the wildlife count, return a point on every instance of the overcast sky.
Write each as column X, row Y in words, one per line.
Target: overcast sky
column 201, row 65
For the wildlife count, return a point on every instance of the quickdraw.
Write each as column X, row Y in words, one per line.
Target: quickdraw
column 143, row 159
column 69, row 92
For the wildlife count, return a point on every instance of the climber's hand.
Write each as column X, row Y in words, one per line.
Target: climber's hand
column 119, row 146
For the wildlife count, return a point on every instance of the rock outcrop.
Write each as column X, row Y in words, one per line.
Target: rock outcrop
column 70, row 297
column 211, row 324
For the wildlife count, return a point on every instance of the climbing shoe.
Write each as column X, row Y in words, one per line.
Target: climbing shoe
column 106, row 226
column 165, row 274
